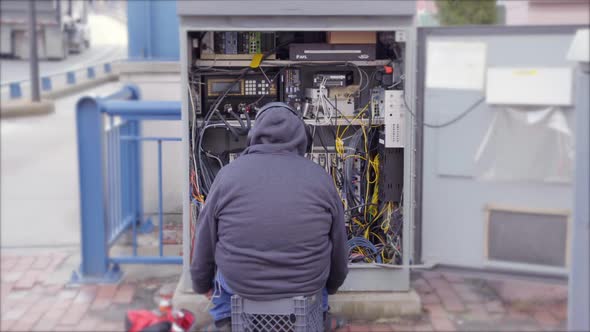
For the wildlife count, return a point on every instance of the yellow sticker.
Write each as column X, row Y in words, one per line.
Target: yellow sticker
column 256, row 60
column 525, row 72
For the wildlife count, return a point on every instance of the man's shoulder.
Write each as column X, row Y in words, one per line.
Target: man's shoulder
column 254, row 162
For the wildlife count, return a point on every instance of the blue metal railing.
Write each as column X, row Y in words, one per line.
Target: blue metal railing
column 109, row 153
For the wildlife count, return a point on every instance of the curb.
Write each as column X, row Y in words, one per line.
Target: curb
column 26, row 108
column 79, row 87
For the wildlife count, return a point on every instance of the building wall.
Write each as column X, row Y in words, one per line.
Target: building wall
column 152, row 29
column 517, row 12
column 153, row 39
column 532, row 12
column 558, row 12
column 159, row 80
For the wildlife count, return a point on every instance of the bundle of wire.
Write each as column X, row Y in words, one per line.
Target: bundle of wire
column 374, row 237
column 377, row 222
column 360, row 244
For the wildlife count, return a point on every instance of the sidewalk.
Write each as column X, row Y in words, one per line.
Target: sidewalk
column 35, row 296
column 452, row 302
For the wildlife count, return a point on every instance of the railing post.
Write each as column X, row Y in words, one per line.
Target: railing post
column 46, row 83
column 15, row 90
column 90, row 73
column 136, row 169
column 71, row 77
column 135, row 164
column 95, row 265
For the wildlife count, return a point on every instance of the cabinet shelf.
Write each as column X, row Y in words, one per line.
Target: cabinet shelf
column 279, row 63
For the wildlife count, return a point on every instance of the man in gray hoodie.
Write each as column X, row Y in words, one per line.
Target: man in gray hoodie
column 273, row 223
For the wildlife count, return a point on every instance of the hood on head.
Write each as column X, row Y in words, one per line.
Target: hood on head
column 277, row 130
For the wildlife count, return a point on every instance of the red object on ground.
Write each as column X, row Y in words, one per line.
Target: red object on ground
column 141, row 320
column 185, row 319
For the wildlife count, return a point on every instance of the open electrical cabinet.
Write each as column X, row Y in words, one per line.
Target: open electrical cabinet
column 349, row 82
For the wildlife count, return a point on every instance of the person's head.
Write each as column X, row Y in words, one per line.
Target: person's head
column 278, row 128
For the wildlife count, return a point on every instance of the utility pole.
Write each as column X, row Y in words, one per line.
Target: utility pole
column 33, row 58
column 58, row 7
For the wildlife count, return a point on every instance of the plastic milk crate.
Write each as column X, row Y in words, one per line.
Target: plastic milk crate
column 296, row 314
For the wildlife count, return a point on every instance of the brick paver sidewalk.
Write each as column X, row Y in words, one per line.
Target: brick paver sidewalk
column 33, row 299
column 452, row 302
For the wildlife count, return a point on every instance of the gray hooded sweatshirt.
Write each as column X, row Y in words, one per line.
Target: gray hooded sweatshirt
column 273, row 222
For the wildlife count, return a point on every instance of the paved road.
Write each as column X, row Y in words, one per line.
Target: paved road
column 17, row 70
column 39, row 186
column 108, row 43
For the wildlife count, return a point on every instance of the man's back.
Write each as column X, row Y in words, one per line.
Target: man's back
column 275, row 219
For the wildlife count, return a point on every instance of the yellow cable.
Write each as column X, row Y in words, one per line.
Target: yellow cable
column 368, row 168
column 377, row 236
column 386, row 221
column 375, row 198
column 338, row 141
column 354, row 155
column 338, row 191
column 352, row 122
column 356, row 221
column 380, row 213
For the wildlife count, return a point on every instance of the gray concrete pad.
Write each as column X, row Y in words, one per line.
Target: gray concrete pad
column 26, row 108
column 375, row 306
column 363, row 306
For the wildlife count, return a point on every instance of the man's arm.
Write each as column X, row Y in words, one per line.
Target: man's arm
column 339, row 259
column 203, row 264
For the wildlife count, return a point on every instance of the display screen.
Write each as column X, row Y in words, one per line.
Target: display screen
column 220, row 87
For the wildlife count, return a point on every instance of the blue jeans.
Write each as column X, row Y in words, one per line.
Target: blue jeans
column 222, row 299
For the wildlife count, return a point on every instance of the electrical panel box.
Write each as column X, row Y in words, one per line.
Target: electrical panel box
column 389, row 105
column 235, row 45
column 358, row 134
column 394, row 118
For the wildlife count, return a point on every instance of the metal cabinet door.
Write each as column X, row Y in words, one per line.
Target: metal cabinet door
column 453, row 201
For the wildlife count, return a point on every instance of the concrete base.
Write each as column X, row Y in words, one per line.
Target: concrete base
column 375, row 306
column 26, row 108
column 365, row 306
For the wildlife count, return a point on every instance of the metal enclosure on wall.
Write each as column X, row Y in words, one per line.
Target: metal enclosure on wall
column 453, row 199
column 308, row 16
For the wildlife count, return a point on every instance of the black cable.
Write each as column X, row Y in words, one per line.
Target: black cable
column 231, row 129
column 321, row 141
column 450, row 122
column 206, row 175
column 337, row 110
column 248, row 120
column 219, row 99
column 243, row 129
column 358, row 206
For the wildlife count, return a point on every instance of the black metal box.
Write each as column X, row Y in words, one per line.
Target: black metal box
column 328, row 52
